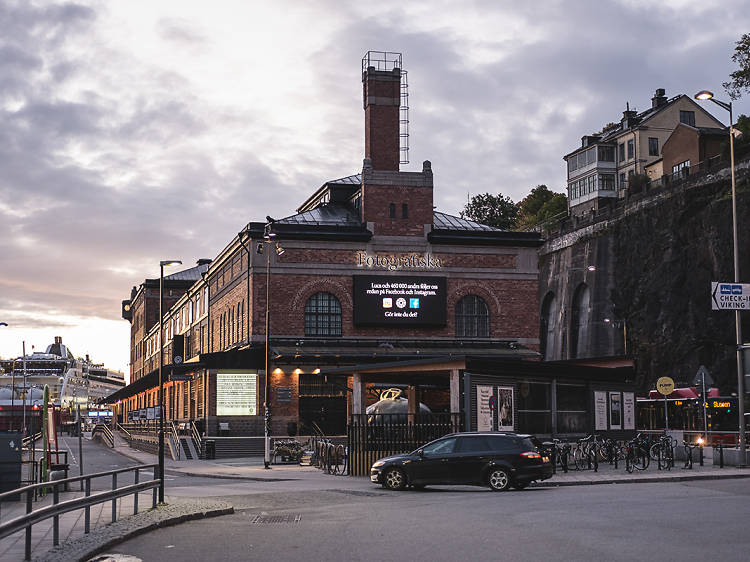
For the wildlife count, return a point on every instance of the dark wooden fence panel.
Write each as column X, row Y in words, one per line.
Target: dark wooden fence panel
column 380, row 435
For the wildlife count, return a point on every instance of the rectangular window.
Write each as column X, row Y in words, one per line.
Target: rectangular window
column 687, row 117
column 653, row 146
column 572, row 164
column 621, row 151
column 404, row 211
column 606, row 153
column 622, row 180
column 591, row 155
column 607, row 182
column 681, row 169
column 534, row 407
column 392, row 211
column 631, row 149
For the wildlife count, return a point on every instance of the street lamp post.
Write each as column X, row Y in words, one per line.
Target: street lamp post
column 706, row 95
column 268, row 236
column 161, row 378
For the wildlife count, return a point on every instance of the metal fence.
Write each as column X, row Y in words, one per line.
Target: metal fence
column 85, row 502
column 372, row 436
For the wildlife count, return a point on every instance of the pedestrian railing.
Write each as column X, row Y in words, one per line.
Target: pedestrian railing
column 103, row 431
column 85, row 502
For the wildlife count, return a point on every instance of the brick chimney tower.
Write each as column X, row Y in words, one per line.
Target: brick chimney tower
column 393, row 203
column 381, row 92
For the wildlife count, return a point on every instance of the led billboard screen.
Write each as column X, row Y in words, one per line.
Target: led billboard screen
column 381, row 300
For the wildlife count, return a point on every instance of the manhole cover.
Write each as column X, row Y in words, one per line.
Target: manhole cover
column 276, row 519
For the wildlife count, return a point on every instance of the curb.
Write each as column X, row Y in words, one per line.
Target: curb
column 77, row 549
column 641, row 480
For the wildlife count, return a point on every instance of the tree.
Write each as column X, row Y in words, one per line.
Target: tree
column 741, row 77
column 493, row 210
column 555, row 207
column 540, row 205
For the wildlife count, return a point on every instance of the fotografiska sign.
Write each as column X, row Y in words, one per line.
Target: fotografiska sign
column 392, row 262
column 730, row 296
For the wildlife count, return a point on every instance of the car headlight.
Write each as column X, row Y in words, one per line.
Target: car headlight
column 378, row 464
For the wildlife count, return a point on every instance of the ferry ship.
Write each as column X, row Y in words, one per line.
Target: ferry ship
column 72, row 381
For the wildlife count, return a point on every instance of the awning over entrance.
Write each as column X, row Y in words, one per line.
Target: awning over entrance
column 248, row 358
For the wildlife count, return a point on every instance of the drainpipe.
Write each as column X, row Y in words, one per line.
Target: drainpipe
column 247, row 298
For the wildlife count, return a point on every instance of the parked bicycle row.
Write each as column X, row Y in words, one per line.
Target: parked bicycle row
column 634, row 455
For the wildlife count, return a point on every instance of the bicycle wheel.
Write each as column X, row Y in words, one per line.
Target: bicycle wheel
column 654, row 451
column 641, row 459
column 331, row 458
column 340, row 460
column 581, row 458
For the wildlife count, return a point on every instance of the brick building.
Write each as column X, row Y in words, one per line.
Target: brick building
column 365, row 272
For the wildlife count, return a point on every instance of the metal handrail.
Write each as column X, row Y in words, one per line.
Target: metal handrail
column 58, row 508
column 176, row 439
column 197, row 440
column 125, row 431
column 106, row 432
column 26, row 441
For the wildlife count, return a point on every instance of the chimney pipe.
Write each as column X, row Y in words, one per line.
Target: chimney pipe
column 381, row 90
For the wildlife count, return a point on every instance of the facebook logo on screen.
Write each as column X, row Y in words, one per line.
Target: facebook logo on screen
column 413, row 303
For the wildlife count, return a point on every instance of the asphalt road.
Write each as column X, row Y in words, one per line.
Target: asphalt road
column 667, row 521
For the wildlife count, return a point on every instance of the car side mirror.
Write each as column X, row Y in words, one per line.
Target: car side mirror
column 420, row 452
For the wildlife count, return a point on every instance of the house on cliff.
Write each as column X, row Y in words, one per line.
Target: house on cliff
column 600, row 170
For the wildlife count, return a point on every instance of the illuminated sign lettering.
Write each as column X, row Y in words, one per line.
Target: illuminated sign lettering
column 392, row 262
column 717, row 404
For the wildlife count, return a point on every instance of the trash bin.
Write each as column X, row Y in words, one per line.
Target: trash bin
column 210, row 449
column 10, row 462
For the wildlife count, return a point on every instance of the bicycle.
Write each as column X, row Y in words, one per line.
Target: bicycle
column 663, row 451
column 586, row 454
column 636, row 454
column 338, row 460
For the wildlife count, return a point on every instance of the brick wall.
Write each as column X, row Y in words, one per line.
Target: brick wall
column 376, row 202
column 512, row 303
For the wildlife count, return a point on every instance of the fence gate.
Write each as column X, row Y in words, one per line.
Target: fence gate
column 373, row 436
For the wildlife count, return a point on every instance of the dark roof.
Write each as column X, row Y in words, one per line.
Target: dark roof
column 444, row 221
column 334, row 214
column 191, row 274
column 354, row 179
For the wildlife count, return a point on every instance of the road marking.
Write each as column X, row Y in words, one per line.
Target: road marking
column 70, row 451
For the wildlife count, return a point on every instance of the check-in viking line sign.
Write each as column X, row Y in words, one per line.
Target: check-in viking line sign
column 730, row 296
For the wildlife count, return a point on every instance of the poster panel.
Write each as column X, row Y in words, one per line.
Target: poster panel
column 615, row 410
column 484, row 411
column 236, row 393
column 600, row 411
column 150, row 413
column 628, row 410
column 505, row 408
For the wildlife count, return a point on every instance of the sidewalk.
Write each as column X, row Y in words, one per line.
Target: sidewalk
column 251, row 468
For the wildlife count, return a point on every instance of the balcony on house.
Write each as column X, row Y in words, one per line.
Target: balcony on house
column 591, row 172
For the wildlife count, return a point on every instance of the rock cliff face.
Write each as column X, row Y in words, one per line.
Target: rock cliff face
column 655, row 257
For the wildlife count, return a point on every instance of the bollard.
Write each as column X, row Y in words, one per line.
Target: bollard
column 700, row 459
column 721, row 455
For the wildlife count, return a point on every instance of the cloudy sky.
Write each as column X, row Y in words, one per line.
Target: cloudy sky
column 137, row 131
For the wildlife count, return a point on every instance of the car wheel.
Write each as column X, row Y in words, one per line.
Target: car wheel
column 520, row 485
column 394, row 479
column 498, row 479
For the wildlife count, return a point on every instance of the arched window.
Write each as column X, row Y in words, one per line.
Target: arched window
column 579, row 322
column 548, row 327
column 472, row 318
column 323, row 315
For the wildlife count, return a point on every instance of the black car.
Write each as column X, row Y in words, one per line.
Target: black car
column 497, row 460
